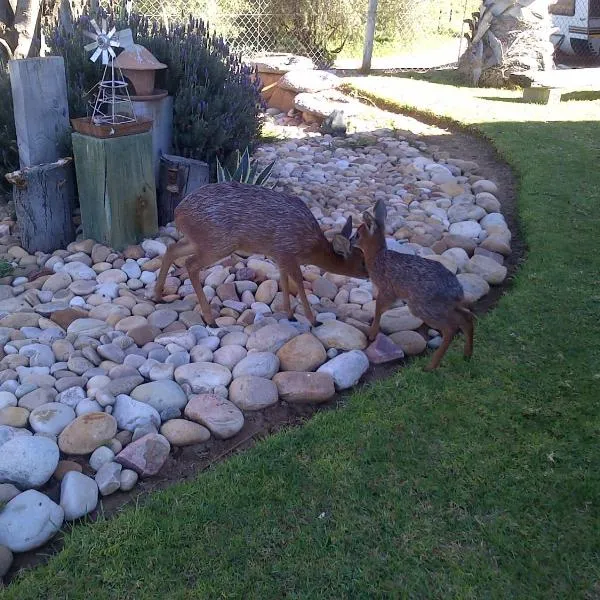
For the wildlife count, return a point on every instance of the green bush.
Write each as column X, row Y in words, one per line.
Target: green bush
column 9, row 155
column 217, row 103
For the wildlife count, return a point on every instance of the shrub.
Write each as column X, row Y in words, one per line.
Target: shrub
column 9, row 154
column 216, row 99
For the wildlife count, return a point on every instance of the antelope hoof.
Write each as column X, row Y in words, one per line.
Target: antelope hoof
column 372, row 335
column 430, row 367
column 157, row 298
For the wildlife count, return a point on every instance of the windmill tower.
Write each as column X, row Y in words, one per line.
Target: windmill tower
column 112, row 105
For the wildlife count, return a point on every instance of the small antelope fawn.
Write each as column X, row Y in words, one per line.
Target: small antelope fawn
column 432, row 292
column 218, row 219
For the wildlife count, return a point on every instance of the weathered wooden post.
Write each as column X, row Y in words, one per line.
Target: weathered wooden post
column 43, row 191
column 117, row 190
column 369, row 36
column 178, row 177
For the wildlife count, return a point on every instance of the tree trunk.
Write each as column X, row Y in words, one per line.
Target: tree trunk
column 26, row 19
column 507, row 38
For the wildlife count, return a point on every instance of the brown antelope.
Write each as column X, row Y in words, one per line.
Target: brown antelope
column 218, row 219
column 432, row 292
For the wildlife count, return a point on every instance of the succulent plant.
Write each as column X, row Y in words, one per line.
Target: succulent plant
column 246, row 171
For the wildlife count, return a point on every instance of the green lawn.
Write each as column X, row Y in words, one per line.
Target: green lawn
column 478, row 481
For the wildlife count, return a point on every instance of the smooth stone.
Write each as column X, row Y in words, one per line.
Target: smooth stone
column 39, row 355
column 111, row 352
column 6, row 560
column 7, row 432
column 304, row 388
column 160, row 395
column 36, row 398
column 161, row 372
column 51, row 418
column 324, row 288
column 235, row 338
column 399, row 319
column 335, row 334
column 253, row 393
column 64, row 467
column 181, row 432
column 145, row 456
column 86, row 433
column 91, row 327
column 184, row 339
column 79, row 270
column 28, row 461
column 346, row 369
column 108, row 478
column 124, row 385
column 143, row 334
column 78, row 495
column 203, row 376
column 229, row 356
column 271, row 338
column 411, row 342
column 71, row 396
column 220, row 416
column 57, row 282
column 14, row 416
column 130, row 413
column 7, row 399
column 29, row 521
column 302, row 353
column 469, row 229
column 203, row 353
column 128, row 479
column 487, row 268
column 474, row 286
column 111, row 276
column 383, row 350
column 258, row 364
column 100, row 456
column 8, row 491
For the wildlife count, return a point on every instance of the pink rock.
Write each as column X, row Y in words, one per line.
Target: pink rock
column 383, row 350
column 146, row 455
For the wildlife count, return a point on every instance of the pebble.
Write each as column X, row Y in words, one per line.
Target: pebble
column 181, row 432
column 146, row 455
column 130, row 413
column 302, row 353
column 297, row 387
column 259, row 364
column 86, row 433
column 202, row 377
column 271, row 338
column 220, row 416
column 100, row 456
column 160, row 395
column 28, row 461
column 108, row 478
column 128, row 479
column 51, row 418
column 335, row 334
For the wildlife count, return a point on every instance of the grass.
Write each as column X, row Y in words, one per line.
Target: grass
column 478, row 481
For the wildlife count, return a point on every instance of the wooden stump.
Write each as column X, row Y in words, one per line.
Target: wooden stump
column 39, row 92
column 43, row 197
column 178, row 177
column 116, row 186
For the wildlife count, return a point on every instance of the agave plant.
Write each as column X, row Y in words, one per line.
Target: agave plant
column 246, row 171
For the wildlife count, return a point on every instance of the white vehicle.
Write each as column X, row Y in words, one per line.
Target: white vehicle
column 578, row 26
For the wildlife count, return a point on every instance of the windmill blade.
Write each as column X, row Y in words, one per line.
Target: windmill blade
column 96, row 54
column 104, row 57
column 104, row 26
column 111, row 52
column 95, row 26
column 90, row 35
column 124, row 38
column 91, row 46
column 111, row 32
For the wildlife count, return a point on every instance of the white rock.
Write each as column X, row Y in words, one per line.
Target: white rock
column 160, row 395
column 108, row 478
column 470, row 229
column 130, row 413
column 258, row 364
column 78, row 495
column 29, row 521
column 101, row 456
column 203, row 376
column 39, row 355
column 7, row 399
column 131, row 269
column 79, row 270
column 346, row 369
column 28, row 461
column 128, row 479
column 154, row 248
column 52, row 417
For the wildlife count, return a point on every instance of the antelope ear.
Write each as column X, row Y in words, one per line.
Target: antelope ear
column 347, row 229
column 341, row 245
column 369, row 222
column 380, row 213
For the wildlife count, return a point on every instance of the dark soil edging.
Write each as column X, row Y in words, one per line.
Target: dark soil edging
column 463, row 142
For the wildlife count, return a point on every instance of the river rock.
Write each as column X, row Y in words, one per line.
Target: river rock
column 230, row 355
column 302, row 353
column 145, row 456
column 411, row 342
column 399, row 319
column 253, row 393
column 51, row 418
column 335, row 334
column 346, row 369
column 130, row 413
column 223, row 418
column 487, row 268
column 78, row 495
column 28, row 461
column 29, row 521
column 160, row 395
column 203, row 376
column 181, row 432
column 383, row 350
column 108, row 478
column 271, row 337
column 259, row 364
column 86, row 433
column 304, row 388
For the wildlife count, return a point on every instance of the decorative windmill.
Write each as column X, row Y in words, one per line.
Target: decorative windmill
column 113, row 105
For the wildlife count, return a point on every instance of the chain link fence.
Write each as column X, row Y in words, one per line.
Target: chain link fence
column 326, row 29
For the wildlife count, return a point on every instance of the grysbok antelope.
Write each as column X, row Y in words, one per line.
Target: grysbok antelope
column 218, row 219
column 432, row 292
